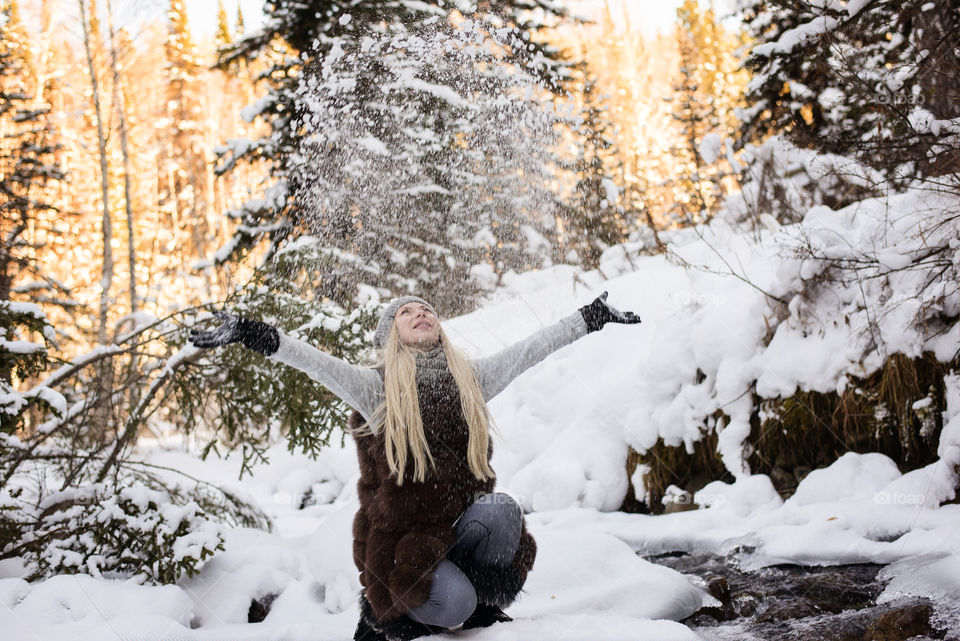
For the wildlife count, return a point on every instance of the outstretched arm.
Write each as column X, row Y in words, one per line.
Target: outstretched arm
column 495, row 372
column 359, row 387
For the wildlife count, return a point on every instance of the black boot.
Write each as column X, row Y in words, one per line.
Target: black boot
column 485, row 616
column 366, row 633
column 403, row 629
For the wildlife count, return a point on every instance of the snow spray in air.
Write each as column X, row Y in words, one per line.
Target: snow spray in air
column 428, row 156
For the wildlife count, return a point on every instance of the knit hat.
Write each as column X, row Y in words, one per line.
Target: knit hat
column 386, row 318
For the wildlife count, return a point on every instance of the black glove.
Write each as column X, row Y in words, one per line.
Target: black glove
column 598, row 313
column 254, row 335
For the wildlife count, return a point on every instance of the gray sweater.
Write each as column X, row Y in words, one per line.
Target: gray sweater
column 362, row 388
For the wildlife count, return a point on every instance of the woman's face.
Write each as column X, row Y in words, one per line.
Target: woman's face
column 417, row 326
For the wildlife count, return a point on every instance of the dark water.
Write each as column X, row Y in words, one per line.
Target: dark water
column 795, row 603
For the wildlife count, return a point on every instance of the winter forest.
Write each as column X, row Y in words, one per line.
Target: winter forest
column 771, row 186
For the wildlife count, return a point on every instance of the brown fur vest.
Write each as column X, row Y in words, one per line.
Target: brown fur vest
column 401, row 532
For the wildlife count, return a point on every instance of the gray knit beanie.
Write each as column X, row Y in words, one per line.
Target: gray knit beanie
column 386, row 318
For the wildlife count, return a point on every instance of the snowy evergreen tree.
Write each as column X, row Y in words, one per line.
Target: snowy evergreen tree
column 235, row 399
column 695, row 196
column 707, row 91
column 427, row 155
column 222, row 38
column 438, row 244
column 595, row 217
column 28, row 169
column 869, row 80
column 183, row 188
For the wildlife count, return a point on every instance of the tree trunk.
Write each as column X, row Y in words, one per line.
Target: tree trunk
column 107, row 273
column 103, row 410
column 124, row 149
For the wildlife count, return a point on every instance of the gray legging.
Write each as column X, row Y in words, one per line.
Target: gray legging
column 490, row 528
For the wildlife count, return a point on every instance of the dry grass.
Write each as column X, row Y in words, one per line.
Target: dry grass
column 810, row 430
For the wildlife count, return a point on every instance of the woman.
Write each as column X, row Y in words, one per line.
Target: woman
column 436, row 548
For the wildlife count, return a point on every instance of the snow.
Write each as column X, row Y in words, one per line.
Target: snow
column 792, row 38
column 594, row 573
column 610, row 190
column 708, row 340
column 745, row 496
column 933, row 577
column 373, row 145
column 82, row 607
column 30, row 309
column 851, row 477
column 854, row 7
column 53, row 398
column 21, row 347
column 710, row 147
column 253, row 110
column 443, row 92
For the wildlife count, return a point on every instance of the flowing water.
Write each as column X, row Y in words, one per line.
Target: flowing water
column 796, row 603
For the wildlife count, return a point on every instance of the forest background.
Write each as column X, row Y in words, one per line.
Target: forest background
column 151, row 177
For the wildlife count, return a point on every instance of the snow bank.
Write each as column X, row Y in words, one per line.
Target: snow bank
column 711, row 336
column 595, row 573
column 852, row 477
column 82, row 607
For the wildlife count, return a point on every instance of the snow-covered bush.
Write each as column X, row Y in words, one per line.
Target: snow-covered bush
column 128, row 530
column 845, row 335
column 21, row 358
column 71, row 497
column 781, row 182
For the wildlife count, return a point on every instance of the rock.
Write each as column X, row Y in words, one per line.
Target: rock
column 901, row 623
column 719, row 589
column 796, row 603
column 784, row 481
column 260, row 608
column 786, row 610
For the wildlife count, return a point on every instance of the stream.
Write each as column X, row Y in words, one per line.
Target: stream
column 804, row 603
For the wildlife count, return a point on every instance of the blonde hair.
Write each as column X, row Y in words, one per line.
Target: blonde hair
column 399, row 414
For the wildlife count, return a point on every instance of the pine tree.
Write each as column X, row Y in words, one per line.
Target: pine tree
column 706, row 94
column 241, row 27
column 222, row 38
column 427, row 258
column 865, row 80
column 28, row 167
column 597, row 220
column 183, row 188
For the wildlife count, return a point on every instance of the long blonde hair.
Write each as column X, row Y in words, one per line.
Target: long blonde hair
column 399, row 414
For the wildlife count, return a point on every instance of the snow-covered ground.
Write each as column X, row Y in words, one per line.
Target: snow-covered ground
column 566, row 427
